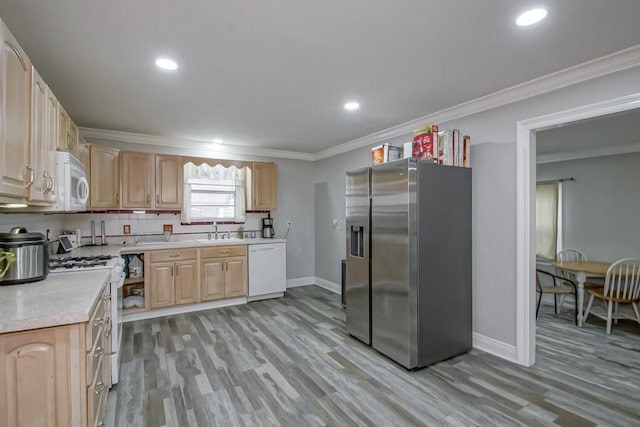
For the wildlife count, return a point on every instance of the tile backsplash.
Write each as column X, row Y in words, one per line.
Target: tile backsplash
column 34, row 222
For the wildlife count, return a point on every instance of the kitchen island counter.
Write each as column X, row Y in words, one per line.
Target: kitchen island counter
column 60, row 299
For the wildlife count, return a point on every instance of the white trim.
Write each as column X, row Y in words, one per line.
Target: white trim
column 301, row 281
column 330, row 286
column 606, row 150
column 495, row 347
column 181, row 309
column 136, row 138
column 615, row 62
column 265, row 296
column 525, row 228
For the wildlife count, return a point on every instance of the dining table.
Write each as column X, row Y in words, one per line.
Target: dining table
column 582, row 270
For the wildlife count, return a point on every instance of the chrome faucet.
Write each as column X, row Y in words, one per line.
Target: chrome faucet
column 215, row 230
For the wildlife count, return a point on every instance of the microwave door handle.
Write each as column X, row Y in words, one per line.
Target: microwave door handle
column 82, row 190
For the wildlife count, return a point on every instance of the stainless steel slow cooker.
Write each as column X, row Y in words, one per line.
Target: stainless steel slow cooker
column 24, row 257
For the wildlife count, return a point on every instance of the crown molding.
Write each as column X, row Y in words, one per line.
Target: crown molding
column 588, row 153
column 137, row 138
column 612, row 63
column 615, row 62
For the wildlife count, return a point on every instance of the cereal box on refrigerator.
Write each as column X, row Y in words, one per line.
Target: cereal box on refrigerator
column 425, row 143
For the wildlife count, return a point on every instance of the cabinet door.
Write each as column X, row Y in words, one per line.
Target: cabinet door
column 72, row 138
column 186, row 282
column 15, row 97
column 38, row 147
column 105, row 177
column 84, row 154
column 264, row 184
column 63, row 125
column 212, row 279
column 137, row 180
column 34, row 378
column 235, row 281
column 162, row 285
column 169, row 182
column 52, row 139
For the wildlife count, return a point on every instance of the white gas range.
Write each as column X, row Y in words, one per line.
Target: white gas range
column 62, row 264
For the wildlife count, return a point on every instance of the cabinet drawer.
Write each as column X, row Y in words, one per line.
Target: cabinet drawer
column 223, row 251
column 165, row 256
column 96, row 393
column 96, row 321
column 95, row 355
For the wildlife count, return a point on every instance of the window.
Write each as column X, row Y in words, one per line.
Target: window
column 547, row 219
column 213, row 193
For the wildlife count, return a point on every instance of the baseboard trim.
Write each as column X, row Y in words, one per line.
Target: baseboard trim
column 301, row 281
column 330, row 286
column 495, row 347
column 181, row 309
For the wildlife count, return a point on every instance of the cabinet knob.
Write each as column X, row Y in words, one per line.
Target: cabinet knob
column 98, row 322
column 99, row 387
column 99, row 352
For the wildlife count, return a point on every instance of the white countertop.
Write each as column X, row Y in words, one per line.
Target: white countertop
column 60, row 299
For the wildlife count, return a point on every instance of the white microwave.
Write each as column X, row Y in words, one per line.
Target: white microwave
column 72, row 186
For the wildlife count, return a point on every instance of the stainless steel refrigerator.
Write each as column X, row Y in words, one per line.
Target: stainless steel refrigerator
column 408, row 275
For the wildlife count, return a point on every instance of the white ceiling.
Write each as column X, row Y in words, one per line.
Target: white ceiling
column 274, row 74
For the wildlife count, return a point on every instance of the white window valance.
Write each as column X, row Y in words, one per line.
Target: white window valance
column 215, row 179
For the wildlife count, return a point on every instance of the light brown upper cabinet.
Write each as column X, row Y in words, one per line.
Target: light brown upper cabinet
column 41, row 155
column 16, row 172
column 83, row 153
column 264, row 179
column 67, row 132
column 137, row 180
column 105, row 177
column 168, row 182
column 52, row 138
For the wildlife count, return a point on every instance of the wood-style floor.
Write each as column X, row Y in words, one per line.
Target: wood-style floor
column 289, row 362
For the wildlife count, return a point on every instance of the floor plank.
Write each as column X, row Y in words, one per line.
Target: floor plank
column 289, row 362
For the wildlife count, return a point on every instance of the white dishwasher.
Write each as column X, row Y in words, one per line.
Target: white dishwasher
column 267, row 271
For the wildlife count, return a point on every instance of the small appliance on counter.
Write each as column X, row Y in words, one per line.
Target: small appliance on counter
column 267, row 228
column 24, row 257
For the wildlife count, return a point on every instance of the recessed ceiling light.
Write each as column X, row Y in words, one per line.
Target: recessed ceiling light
column 351, row 106
column 166, row 64
column 530, row 17
column 217, row 141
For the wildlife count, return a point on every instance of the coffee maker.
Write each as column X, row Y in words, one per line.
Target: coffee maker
column 267, row 228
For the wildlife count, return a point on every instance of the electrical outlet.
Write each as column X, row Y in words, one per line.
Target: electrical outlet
column 167, row 228
column 126, row 229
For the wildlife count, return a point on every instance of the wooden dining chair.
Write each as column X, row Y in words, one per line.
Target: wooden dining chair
column 621, row 286
column 559, row 287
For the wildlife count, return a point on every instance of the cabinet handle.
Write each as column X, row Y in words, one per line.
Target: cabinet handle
column 99, row 352
column 174, row 256
column 226, row 251
column 172, row 272
column 99, row 387
column 157, row 199
column 98, row 322
column 101, row 424
column 148, row 199
column 30, row 175
column 117, row 197
column 177, row 270
column 106, row 297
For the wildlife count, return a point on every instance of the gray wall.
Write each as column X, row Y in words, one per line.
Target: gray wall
column 494, row 199
column 600, row 208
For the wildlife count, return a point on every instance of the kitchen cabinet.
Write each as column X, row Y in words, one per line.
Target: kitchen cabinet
column 224, row 272
column 57, row 376
column 41, row 155
column 105, row 177
column 173, row 277
column 169, row 182
column 137, row 175
column 16, row 172
column 84, row 154
column 264, row 178
column 52, row 138
column 67, row 132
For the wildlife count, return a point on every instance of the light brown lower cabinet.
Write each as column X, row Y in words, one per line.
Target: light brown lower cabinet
column 57, row 376
column 173, row 278
column 224, row 272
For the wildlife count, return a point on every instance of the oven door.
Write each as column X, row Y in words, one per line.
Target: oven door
column 116, row 318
